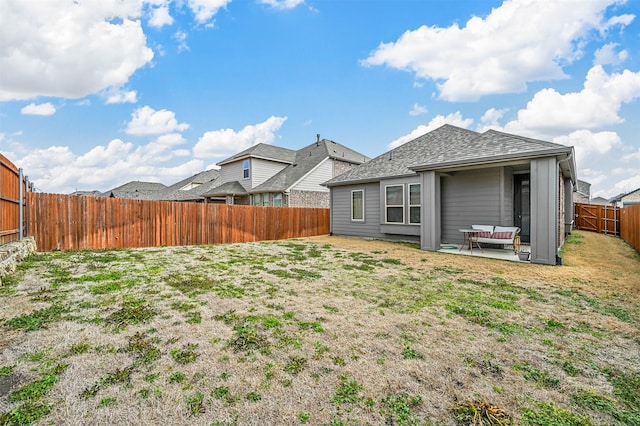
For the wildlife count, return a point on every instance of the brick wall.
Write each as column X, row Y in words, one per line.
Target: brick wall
column 308, row 199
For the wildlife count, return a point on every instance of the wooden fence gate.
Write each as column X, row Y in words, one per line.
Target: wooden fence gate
column 598, row 218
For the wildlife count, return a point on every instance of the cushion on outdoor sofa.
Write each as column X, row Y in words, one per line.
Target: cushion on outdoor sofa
column 485, row 228
column 483, row 234
column 502, row 235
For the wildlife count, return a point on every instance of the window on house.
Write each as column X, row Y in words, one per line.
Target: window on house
column 265, row 199
column 277, row 200
column 245, row 169
column 414, row 203
column 357, row 205
column 394, row 203
column 257, row 199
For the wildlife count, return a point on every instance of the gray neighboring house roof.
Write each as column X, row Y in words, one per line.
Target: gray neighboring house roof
column 205, row 181
column 599, row 200
column 449, row 147
column 229, row 188
column 94, row 193
column 306, row 159
column 136, row 190
column 264, row 151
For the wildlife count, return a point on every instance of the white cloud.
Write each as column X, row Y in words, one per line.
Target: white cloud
column 181, row 38
column 69, row 49
column 418, row 110
column 623, row 186
column 115, row 95
column 454, row 119
column 39, row 109
column 597, row 105
column 224, row 142
column 160, row 16
column 147, row 121
column 58, row 170
column 519, row 42
column 204, row 10
column 282, row 4
column 607, row 55
column 490, row 118
column 590, row 147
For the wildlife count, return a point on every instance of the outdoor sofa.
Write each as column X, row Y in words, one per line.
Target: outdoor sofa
column 504, row 235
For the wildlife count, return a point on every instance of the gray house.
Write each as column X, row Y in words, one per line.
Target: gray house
column 450, row 178
column 267, row 175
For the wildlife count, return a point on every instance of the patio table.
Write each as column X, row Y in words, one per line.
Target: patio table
column 469, row 236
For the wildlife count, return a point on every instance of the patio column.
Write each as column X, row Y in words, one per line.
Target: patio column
column 544, row 210
column 430, row 211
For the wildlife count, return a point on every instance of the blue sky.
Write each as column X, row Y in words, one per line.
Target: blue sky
column 94, row 94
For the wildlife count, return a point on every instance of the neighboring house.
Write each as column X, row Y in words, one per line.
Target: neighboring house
column 599, row 200
column 630, row 198
column 267, row 175
column 188, row 189
column 583, row 192
column 451, row 178
column 136, row 190
column 192, row 188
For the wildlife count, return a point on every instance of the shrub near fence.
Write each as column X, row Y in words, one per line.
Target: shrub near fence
column 630, row 226
column 66, row 222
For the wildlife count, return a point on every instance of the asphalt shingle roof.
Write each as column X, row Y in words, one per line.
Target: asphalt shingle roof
column 229, row 188
column 206, row 180
column 446, row 145
column 262, row 150
column 305, row 160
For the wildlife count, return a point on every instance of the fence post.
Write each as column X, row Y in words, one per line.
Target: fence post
column 21, row 206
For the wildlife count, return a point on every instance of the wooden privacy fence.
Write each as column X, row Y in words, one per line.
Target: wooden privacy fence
column 66, row 222
column 597, row 218
column 630, row 225
column 610, row 220
column 13, row 187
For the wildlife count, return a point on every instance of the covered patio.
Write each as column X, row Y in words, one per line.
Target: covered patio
column 486, row 252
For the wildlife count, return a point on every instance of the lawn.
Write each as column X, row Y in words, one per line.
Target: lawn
column 321, row 331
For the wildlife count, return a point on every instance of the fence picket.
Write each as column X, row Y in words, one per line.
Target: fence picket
column 67, row 222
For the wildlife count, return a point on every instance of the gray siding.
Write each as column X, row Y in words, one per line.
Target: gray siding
column 261, row 170
column 468, row 198
column 341, row 223
column 507, row 197
column 544, row 211
column 231, row 172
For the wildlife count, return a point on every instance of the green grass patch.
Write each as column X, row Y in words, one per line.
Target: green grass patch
column 38, row 319
column 549, row 414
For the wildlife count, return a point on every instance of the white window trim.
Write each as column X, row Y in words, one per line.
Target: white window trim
column 386, row 206
column 248, row 169
column 363, row 210
column 415, row 205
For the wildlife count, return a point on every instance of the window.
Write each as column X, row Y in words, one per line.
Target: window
column 357, row 205
column 265, row 199
column 245, row 169
column 414, row 203
column 257, row 199
column 277, row 200
column 394, row 203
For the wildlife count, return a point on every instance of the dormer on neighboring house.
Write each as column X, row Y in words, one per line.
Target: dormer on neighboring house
column 267, row 175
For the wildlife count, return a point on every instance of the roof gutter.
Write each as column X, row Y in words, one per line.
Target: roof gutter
column 572, row 171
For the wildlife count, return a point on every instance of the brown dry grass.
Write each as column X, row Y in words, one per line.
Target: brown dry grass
column 326, row 330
